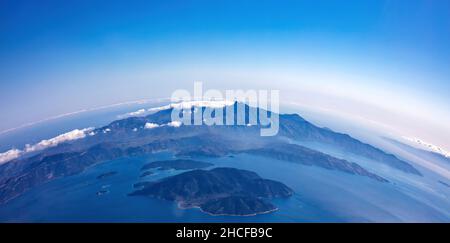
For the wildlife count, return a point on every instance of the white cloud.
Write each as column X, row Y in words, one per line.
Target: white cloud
column 46, row 143
column 9, row 155
column 137, row 113
column 141, row 101
column 190, row 104
column 69, row 136
column 174, row 124
column 150, row 125
column 181, row 105
column 428, row 146
column 134, row 113
column 160, row 108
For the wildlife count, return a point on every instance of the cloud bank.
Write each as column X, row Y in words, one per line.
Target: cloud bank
column 181, row 105
column 46, row 143
column 9, row 155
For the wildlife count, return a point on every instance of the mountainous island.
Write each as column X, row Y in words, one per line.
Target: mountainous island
column 133, row 136
column 219, row 191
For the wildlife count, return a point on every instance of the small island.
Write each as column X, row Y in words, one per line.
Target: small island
column 146, row 173
column 102, row 192
column 179, row 164
column 220, row 191
column 106, row 175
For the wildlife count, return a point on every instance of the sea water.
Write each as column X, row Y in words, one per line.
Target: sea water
column 320, row 196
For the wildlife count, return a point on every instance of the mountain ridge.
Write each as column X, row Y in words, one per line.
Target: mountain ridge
column 128, row 137
column 219, row 191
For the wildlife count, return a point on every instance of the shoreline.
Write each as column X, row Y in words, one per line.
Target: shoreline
column 224, row 214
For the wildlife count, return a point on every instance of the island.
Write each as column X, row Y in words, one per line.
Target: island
column 106, row 175
column 178, row 164
column 146, row 173
column 72, row 158
column 219, row 191
column 102, row 192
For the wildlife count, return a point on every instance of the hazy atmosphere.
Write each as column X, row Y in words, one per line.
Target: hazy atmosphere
column 89, row 133
column 59, row 57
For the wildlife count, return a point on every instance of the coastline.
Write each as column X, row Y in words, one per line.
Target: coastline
column 180, row 206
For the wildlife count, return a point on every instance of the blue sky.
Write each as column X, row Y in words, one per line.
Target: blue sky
column 61, row 56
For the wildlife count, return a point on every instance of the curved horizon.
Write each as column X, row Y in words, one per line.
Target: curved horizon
column 383, row 61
